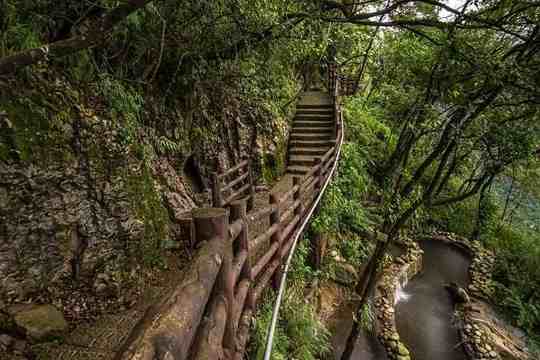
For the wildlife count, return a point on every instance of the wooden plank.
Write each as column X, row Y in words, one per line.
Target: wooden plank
column 262, row 282
column 235, row 229
column 233, row 169
column 236, row 194
column 259, row 214
column 236, row 181
column 240, row 300
column 243, row 334
column 238, row 263
column 262, row 238
column 287, row 231
column 263, row 261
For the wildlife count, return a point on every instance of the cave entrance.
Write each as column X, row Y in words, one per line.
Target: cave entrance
column 193, row 174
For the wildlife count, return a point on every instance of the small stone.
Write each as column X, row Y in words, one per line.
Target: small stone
column 492, row 354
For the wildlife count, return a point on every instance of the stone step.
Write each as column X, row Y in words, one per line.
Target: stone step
column 312, row 143
column 298, row 170
column 301, row 160
column 312, row 151
column 315, row 106
column 310, row 137
column 318, row 123
column 312, row 130
column 314, row 118
column 327, row 112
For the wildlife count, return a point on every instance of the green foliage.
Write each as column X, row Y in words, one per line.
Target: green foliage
column 517, row 277
column 125, row 106
column 354, row 248
column 148, row 207
column 458, row 218
column 367, row 316
column 342, row 208
column 301, row 272
column 299, row 334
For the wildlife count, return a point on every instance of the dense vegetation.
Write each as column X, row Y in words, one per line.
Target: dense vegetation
column 444, row 135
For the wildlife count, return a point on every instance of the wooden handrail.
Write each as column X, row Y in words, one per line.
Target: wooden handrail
column 236, row 181
column 233, row 169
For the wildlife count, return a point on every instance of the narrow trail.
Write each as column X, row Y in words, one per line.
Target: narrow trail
column 424, row 310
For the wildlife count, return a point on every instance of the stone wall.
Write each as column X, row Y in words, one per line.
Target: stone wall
column 396, row 272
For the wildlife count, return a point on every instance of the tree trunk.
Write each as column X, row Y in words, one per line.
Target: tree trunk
column 481, row 211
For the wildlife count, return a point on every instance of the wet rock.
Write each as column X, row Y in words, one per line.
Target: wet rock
column 40, row 322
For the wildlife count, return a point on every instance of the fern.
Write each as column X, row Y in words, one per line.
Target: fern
column 164, row 145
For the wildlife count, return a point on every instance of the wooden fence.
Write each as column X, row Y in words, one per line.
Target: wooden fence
column 234, row 183
column 347, row 85
column 209, row 314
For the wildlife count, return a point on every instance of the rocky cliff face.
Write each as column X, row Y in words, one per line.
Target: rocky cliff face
column 84, row 194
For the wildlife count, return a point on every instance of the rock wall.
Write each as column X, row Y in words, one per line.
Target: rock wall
column 84, row 197
column 395, row 273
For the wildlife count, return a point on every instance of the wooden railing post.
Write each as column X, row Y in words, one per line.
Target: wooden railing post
column 251, row 199
column 318, row 173
column 214, row 334
column 239, row 211
column 217, row 200
column 276, row 237
column 296, row 180
column 208, row 224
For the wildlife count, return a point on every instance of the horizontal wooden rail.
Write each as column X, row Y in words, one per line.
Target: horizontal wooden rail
column 242, row 164
column 235, row 182
column 265, row 211
column 238, row 186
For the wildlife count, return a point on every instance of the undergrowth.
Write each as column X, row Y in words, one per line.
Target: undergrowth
column 299, row 334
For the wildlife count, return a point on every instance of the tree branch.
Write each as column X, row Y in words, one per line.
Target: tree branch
column 94, row 36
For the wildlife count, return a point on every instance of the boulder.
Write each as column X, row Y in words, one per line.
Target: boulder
column 40, row 322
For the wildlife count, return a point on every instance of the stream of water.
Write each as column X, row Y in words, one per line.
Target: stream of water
column 424, row 309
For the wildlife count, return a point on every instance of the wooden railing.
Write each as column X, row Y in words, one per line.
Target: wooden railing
column 209, row 315
column 232, row 184
column 347, row 85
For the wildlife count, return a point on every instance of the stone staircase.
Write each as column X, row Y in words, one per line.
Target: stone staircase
column 312, row 131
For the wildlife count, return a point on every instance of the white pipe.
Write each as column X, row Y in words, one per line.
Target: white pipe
column 277, row 304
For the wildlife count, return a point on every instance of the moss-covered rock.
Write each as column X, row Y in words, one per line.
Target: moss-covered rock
column 40, row 322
